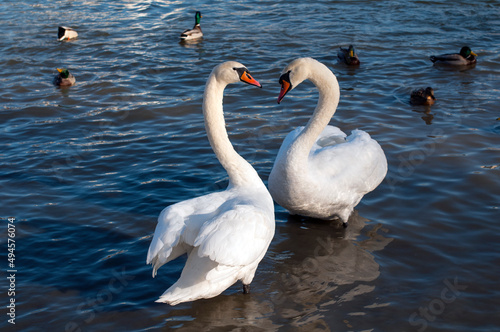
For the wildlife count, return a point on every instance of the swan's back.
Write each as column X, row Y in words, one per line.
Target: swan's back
column 340, row 171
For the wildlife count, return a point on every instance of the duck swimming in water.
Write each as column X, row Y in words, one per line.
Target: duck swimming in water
column 464, row 58
column 423, row 96
column 195, row 32
column 348, row 56
column 65, row 33
column 64, row 78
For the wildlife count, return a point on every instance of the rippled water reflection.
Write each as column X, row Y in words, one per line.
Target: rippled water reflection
column 86, row 170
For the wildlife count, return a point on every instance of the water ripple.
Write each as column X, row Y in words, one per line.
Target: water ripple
column 87, row 169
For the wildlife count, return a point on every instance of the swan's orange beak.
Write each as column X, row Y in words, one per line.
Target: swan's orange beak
column 285, row 87
column 247, row 78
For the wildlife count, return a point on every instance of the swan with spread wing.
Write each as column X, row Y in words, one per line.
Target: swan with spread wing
column 225, row 234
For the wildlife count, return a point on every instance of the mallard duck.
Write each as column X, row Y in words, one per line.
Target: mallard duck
column 464, row 58
column 64, row 78
column 195, row 32
column 348, row 56
column 423, row 96
column 65, row 33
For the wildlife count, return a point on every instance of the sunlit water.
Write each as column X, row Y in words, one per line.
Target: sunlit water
column 86, row 170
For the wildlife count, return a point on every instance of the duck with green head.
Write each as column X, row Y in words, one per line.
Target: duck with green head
column 464, row 58
column 195, row 32
column 64, row 78
column 348, row 56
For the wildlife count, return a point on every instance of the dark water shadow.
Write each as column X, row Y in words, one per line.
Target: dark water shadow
column 327, row 265
column 310, row 264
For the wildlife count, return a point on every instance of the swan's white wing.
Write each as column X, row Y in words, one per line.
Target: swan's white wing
column 329, row 136
column 178, row 225
column 236, row 237
column 360, row 161
column 166, row 244
column 200, row 278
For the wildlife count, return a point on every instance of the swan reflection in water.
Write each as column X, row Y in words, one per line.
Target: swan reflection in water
column 310, row 264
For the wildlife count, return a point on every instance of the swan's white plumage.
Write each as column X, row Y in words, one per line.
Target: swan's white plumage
column 320, row 172
column 225, row 234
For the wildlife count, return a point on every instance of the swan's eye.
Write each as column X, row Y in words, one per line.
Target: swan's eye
column 241, row 71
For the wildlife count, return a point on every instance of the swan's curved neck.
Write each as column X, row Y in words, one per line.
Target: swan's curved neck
column 240, row 172
column 329, row 95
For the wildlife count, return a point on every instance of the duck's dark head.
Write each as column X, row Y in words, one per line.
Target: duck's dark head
column 351, row 51
column 63, row 72
column 197, row 18
column 429, row 94
column 466, row 52
column 352, row 57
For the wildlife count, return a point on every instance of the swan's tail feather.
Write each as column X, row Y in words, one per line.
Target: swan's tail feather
column 165, row 256
column 201, row 278
column 179, row 295
column 204, row 290
column 156, row 265
column 156, row 262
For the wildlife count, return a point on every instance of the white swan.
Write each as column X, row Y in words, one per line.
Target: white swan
column 319, row 172
column 225, row 234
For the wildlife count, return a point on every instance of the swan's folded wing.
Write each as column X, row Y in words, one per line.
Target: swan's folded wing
column 370, row 162
column 236, row 237
column 360, row 159
column 329, row 136
column 178, row 225
column 171, row 224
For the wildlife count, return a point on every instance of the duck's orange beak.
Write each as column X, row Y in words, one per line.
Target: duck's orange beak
column 474, row 54
column 247, row 78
